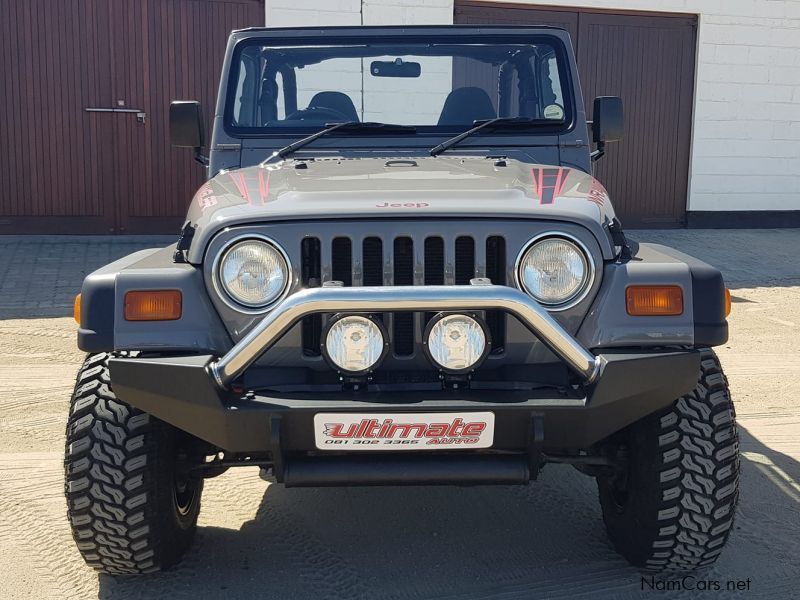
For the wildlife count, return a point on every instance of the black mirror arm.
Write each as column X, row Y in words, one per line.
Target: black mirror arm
column 599, row 153
column 199, row 157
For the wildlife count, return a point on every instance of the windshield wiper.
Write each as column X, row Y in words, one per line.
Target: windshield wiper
column 346, row 126
column 494, row 124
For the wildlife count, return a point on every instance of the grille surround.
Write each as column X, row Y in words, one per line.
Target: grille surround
column 522, row 349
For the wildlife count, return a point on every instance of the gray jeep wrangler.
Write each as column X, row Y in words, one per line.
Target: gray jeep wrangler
column 401, row 272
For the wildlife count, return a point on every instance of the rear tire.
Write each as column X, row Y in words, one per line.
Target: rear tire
column 132, row 505
column 672, row 510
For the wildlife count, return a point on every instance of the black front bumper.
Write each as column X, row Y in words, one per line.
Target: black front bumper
column 181, row 392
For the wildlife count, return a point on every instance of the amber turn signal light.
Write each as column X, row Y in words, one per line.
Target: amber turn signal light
column 654, row 300
column 76, row 309
column 727, row 303
column 153, row 305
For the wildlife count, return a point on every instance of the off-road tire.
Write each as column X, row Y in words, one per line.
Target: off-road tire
column 673, row 509
column 120, row 480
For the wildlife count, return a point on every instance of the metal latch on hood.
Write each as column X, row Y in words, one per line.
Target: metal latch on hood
column 184, row 242
column 619, row 239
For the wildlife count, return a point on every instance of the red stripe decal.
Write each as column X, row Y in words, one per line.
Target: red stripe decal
column 241, row 185
column 548, row 184
column 263, row 186
column 538, row 179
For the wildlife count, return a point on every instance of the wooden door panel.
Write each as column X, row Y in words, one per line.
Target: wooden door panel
column 175, row 52
column 65, row 170
column 648, row 60
column 478, row 13
column 649, row 63
column 56, row 156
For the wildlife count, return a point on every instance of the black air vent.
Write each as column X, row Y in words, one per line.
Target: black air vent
column 496, row 272
column 372, row 249
column 342, row 260
column 434, row 266
column 403, row 329
column 465, row 260
column 310, row 274
column 434, row 261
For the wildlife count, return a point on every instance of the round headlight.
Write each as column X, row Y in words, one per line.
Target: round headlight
column 554, row 271
column 354, row 344
column 456, row 342
column 253, row 273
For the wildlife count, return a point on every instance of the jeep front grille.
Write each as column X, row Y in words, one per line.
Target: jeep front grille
column 434, row 260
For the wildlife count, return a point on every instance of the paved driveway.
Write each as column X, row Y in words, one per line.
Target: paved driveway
column 254, row 540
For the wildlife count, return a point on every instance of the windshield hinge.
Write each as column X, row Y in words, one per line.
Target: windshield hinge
column 184, row 242
column 575, row 144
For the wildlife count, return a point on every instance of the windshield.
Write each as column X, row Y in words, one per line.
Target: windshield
column 435, row 87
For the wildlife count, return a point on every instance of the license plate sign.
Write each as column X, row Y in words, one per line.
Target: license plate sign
column 404, row 431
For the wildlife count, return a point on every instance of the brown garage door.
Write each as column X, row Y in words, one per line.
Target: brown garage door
column 648, row 60
column 68, row 170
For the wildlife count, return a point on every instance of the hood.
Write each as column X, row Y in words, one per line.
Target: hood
column 378, row 188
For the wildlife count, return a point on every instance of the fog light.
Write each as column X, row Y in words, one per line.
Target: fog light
column 456, row 343
column 354, row 344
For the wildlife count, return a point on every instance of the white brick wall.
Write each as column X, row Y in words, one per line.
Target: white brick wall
column 408, row 12
column 746, row 137
column 302, row 13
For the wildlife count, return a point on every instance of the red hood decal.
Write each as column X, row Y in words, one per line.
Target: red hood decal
column 548, row 184
column 263, row 185
column 240, row 182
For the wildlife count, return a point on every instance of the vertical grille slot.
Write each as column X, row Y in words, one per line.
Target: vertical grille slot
column 465, row 260
column 310, row 275
column 372, row 252
column 342, row 260
column 403, row 323
column 372, row 261
column 496, row 272
column 434, row 261
column 434, row 266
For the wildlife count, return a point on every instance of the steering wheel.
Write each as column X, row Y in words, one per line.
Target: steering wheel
column 317, row 113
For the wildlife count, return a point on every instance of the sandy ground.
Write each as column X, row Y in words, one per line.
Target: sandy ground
column 541, row 541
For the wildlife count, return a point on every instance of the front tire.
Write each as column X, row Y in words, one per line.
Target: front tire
column 672, row 509
column 131, row 502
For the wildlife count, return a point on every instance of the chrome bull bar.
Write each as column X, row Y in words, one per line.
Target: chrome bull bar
column 426, row 298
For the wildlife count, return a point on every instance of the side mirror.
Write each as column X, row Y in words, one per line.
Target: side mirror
column 186, row 124
column 607, row 121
